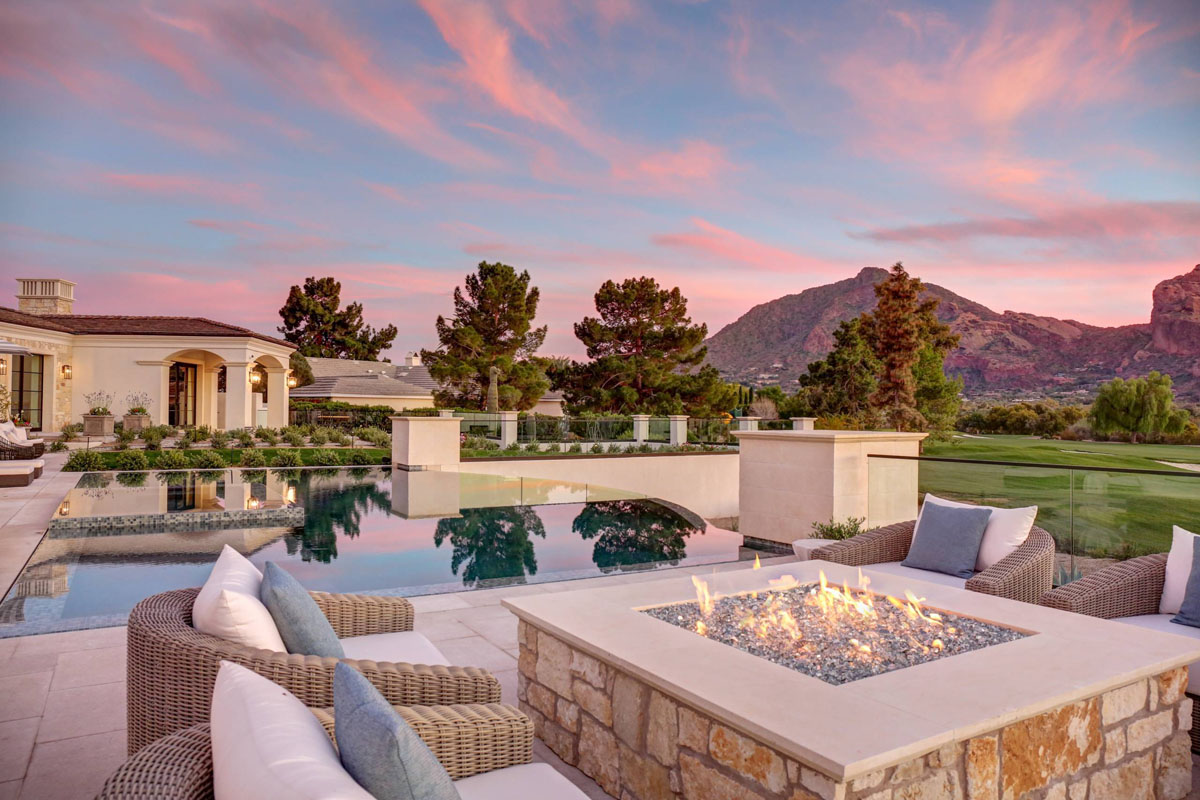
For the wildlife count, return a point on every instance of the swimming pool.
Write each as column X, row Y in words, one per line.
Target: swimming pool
column 371, row 530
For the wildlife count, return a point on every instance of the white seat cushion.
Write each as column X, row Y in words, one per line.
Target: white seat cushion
column 522, row 782
column 228, row 606
column 266, row 743
column 404, row 647
column 1179, row 569
column 16, row 467
column 1007, row 529
column 895, row 568
column 1163, row 624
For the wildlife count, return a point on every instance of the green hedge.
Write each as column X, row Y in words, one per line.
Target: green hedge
column 308, row 456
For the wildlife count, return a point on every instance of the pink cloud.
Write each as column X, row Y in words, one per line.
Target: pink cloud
column 695, row 162
column 186, row 186
column 730, row 247
column 388, row 192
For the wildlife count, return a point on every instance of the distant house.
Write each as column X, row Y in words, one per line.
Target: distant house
column 404, row 385
column 194, row 371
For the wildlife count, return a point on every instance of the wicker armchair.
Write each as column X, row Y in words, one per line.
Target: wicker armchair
column 172, row 666
column 467, row 739
column 21, row 451
column 1025, row 574
column 1130, row 588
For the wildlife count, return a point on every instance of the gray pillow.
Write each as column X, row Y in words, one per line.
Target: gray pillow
column 947, row 539
column 1189, row 611
column 379, row 749
column 302, row 626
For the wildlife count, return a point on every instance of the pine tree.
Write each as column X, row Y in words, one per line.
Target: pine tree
column 313, row 321
column 895, row 331
column 842, row 383
column 492, row 326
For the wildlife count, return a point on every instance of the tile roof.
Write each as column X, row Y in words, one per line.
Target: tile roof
column 104, row 324
column 416, row 376
column 358, row 385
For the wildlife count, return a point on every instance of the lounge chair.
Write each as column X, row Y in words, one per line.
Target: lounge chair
column 173, row 666
column 15, row 443
column 1025, row 574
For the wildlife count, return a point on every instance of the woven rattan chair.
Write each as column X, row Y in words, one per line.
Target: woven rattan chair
column 21, row 451
column 172, row 666
column 467, row 740
column 1130, row 588
column 1025, row 574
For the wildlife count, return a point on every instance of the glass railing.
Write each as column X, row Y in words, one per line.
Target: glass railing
column 1097, row 515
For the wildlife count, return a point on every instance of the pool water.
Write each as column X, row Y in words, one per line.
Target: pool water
column 367, row 530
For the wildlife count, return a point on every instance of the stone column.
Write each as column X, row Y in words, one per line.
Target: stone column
column 678, row 428
column 445, row 412
column 641, row 427
column 748, row 423
column 239, row 410
column 277, row 397
column 790, row 479
column 508, row 427
column 210, row 404
column 420, row 443
column 804, row 423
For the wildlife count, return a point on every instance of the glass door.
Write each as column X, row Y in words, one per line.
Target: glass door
column 181, row 395
column 27, row 389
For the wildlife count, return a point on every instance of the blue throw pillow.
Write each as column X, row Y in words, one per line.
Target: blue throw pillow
column 1189, row 611
column 302, row 626
column 947, row 539
column 378, row 748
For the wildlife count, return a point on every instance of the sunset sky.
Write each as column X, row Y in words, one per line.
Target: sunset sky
column 200, row 157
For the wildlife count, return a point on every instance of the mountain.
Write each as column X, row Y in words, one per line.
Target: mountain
column 999, row 353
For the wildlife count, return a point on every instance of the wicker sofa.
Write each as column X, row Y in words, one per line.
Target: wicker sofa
column 1130, row 591
column 1025, row 574
column 467, row 739
column 172, row 666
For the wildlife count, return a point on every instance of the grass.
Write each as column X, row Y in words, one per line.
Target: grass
column 231, row 455
column 1104, row 514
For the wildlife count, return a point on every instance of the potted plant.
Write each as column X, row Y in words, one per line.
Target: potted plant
column 137, row 417
column 99, row 420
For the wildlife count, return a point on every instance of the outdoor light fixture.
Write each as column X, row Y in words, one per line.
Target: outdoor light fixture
column 255, row 378
column 3, row 366
column 65, row 508
column 290, row 495
column 252, row 503
column 66, row 370
column 292, row 381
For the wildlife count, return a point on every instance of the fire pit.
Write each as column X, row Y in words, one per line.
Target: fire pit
column 837, row 634
column 1019, row 701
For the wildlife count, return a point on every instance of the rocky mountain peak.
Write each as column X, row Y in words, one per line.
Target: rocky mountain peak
column 1175, row 320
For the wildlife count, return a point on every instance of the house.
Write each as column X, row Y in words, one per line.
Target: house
column 404, row 385
column 195, row 371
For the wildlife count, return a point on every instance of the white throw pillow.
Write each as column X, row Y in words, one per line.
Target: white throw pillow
column 228, row 606
column 1007, row 529
column 266, row 743
column 1179, row 568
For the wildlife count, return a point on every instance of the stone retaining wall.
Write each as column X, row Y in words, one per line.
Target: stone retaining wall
column 639, row 744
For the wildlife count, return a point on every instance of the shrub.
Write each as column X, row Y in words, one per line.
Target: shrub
column 420, row 412
column 183, row 443
column 645, row 447
column 84, row 461
column 344, row 440
column 152, row 438
column 575, row 447
column 253, row 458
column 533, row 447
column 597, row 448
column 132, row 461
column 201, row 433
column 172, row 459
column 70, row 432
column 361, row 457
column 318, row 437
column 846, row 529
column 294, row 438
column 58, row 446
column 219, row 438
column 376, row 436
column 267, row 435
column 124, row 437
column 285, row 458
column 326, row 458
column 209, row 459
column 513, row 447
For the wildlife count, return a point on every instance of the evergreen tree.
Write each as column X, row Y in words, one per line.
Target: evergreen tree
column 492, row 326
column 644, row 351
column 301, row 371
column 313, row 321
column 842, row 383
column 1140, row 406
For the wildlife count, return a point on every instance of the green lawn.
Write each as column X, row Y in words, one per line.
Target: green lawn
column 1091, row 513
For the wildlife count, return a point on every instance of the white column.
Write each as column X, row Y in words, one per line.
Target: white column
column 641, row 427
column 238, row 406
column 804, row 423
column 508, row 427
column 277, row 397
column 425, row 442
column 678, row 428
column 787, row 480
column 210, row 399
column 748, row 423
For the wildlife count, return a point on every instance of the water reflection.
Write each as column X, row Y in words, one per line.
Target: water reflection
column 493, row 543
column 631, row 533
column 333, row 504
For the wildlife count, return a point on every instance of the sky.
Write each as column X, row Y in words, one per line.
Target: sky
column 198, row 158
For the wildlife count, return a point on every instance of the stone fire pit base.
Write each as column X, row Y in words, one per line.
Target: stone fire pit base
column 639, row 744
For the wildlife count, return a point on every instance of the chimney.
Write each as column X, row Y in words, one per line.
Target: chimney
column 45, row 295
column 412, row 360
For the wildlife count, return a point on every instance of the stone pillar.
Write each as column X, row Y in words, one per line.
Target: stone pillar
column 420, row 443
column 210, row 405
column 641, row 427
column 790, row 479
column 748, row 423
column 804, row 423
column 508, row 427
column 678, row 428
column 445, row 412
column 239, row 410
column 277, row 397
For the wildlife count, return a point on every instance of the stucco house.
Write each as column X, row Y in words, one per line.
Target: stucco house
column 407, row 384
column 195, row 371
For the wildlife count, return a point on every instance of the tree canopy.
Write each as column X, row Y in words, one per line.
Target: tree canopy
column 1138, row 406
column 645, row 356
column 492, row 326
column 315, row 323
column 842, row 383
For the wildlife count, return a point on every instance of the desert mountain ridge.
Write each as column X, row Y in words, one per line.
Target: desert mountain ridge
column 1008, row 353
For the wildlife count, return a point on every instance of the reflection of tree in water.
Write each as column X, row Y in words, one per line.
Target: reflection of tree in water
column 493, row 542
column 332, row 508
column 633, row 532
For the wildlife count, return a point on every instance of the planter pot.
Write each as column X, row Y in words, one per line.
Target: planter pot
column 98, row 424
column 136, row 422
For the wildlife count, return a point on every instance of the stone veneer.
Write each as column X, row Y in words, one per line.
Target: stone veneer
column 1130, row 743
column 69, row 527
